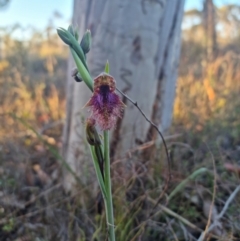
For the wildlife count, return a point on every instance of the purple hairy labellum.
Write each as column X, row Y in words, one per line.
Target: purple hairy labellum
column 106, row 106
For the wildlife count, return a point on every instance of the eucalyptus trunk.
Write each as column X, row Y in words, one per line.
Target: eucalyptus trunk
column 141, row 40
column 209, row 20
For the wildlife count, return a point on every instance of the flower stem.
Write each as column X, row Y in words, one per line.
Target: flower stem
column 107, row 174
column 82, row 70
column 98, row 172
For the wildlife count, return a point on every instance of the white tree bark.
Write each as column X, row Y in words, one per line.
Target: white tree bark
column 141, row 40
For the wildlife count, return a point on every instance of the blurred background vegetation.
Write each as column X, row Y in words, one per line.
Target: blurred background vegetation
column 33, row 205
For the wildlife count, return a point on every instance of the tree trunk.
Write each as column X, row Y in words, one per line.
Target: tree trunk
column 141, row 40
column 210, row 30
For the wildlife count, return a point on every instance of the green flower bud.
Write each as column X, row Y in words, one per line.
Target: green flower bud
column 73, row 32
column 91, row 133
column 63, row 35
column 94, row 140
column 86, row 42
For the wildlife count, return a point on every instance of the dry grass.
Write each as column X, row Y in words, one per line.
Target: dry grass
column 210, row 96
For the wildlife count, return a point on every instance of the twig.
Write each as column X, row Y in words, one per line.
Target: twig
column 163, row 140
column 186, row 234
column 169, row 222
column 213, row 197
column 32, row 200
column 230, row 199
column 32, row 213
column 177, row 216
column 143, row 146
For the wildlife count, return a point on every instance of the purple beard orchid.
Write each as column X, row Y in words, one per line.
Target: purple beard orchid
column 106, row 106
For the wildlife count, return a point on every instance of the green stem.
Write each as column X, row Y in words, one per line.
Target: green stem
column 82, row 70
column 107, row 175
column 182, row 184
column 98, row 172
